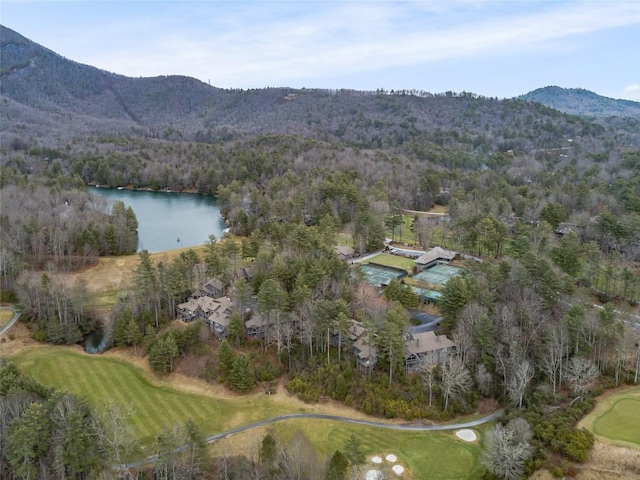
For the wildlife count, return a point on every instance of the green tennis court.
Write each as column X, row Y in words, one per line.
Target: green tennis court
column 425, row 294
column 439, row 274
column 380, row 275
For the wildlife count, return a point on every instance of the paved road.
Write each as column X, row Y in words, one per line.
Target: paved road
column 335, row 418
column 16, row 315
column 365, row 257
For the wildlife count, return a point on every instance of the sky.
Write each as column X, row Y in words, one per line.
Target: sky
column 492, row 48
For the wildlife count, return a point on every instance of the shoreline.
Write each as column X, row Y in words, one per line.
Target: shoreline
column 148, row 189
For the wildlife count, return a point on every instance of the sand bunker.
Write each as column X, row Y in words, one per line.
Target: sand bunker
column 398, row 469
column 391, row 458
column 373, row 475
column 466, row 435
column 376, row 459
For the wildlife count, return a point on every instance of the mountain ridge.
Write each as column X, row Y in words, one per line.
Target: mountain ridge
column 579, row 101
column 57, row 98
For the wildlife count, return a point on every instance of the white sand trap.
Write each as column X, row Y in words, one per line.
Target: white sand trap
column 376, row 459
column 398, row 469
column 373, row 475
column 391, row 458
column 466, row 435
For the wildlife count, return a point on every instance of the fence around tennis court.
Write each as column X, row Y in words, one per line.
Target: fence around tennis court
column 381, row 275
column 439, row 274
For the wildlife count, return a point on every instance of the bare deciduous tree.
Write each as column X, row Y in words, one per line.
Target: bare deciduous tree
column 506, row 451
column 581, row 375
column 521, row 375
column 115, row 431
column 552, row 354
column 484, row 380
column 429, row 380
column 455, row 379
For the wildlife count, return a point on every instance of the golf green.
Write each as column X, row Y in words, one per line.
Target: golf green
column 621, row 421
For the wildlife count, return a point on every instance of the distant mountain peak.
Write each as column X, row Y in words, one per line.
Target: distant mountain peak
column 579, row 101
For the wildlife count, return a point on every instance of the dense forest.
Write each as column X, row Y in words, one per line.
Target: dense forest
column 543, row 206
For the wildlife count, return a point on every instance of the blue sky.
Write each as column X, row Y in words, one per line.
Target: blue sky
column 492, row 48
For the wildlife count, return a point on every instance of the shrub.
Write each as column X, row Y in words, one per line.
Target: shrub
column 557, row 471
column 578, row 445
column 304, row 390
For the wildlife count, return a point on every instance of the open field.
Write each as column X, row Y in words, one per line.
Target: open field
column 156, row 403
column 393, row 261
column 616, row 418
column 111, row 275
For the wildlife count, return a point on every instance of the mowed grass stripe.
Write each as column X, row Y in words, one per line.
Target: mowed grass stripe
column 176, row 408
column 201, row 410
column 125, row 389
column 94, row 382
column 129, row 390
column 58, row 377
column 439, row 454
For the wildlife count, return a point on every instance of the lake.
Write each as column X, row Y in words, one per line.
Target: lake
column 169, row 220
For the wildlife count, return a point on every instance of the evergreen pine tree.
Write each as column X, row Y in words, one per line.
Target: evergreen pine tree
column 241, row 377
column 338, row 466
column 226, row 358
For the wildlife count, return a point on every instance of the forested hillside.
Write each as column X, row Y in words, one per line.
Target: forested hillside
column 578, row 101
column 542, row 209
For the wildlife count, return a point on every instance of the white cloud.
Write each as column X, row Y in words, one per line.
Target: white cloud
column 259, row 44
column 632, row 92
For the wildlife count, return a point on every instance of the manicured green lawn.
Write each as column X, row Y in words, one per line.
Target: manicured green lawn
column 425, row 455
column 101, row 379
column 621, row 421
column 393, row 261
column 616, row 417
column 433, row 455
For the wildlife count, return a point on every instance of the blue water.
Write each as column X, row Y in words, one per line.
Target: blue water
column 169, row 220
column 95, row 342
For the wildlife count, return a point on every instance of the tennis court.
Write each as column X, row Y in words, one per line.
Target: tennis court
column 439, row 274
column 380, row 275
column 425, row 294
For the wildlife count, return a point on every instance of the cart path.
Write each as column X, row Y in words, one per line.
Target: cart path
column 16, row 315
column 334, row 418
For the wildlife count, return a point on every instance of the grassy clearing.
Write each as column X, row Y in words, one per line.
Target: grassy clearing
column 343, row 238
column 111, row 275
column 403, row 232
column 393, row 261
column 616, row 418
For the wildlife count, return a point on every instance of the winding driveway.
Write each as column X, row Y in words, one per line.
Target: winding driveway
column 335, row 418
column 16, row 315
